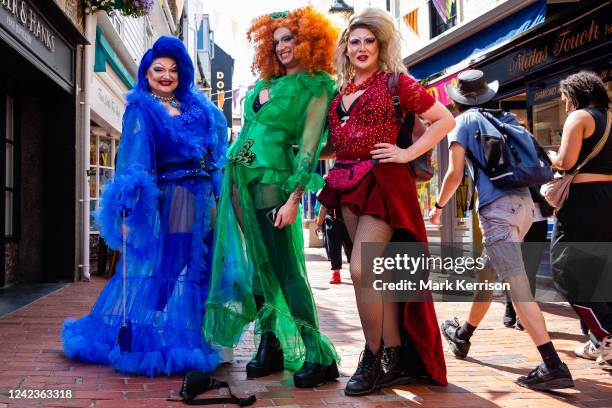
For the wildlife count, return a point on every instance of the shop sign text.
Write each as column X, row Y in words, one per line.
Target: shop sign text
column 30, row 23
column 563, row 43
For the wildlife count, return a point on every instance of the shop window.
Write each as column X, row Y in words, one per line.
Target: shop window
column 548, row 119
column 102, row 167
column 10, row 179
column 549, row 114
column 437, row 25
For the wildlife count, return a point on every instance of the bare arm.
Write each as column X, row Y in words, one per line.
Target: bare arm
column 452, row 179
column 576, row 126
column 442, row 122
column 305, row 160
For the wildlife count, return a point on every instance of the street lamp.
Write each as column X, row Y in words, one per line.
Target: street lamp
column 340, row 7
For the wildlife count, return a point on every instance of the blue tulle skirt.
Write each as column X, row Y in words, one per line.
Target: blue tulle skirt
column 166, row 291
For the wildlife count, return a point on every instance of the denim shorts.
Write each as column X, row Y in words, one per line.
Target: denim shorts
column 504, row 223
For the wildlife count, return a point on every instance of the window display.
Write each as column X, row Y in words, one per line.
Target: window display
column 103, row 147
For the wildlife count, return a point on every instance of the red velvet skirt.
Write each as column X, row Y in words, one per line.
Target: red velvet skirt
column 388, row 192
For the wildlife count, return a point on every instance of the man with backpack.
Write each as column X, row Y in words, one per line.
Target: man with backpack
column 504, row 160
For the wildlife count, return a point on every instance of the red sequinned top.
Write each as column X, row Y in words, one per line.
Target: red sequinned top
column 372, row 120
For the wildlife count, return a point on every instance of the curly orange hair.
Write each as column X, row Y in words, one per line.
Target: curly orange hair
column 315, row 35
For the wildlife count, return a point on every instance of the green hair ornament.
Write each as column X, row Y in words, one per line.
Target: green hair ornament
column 279, row 14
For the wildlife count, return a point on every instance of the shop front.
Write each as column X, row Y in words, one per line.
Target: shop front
column 38, row 142
column 529, row 73
column 528, row 69
column 110, row 82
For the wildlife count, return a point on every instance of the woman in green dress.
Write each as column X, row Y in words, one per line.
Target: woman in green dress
column 259, row 249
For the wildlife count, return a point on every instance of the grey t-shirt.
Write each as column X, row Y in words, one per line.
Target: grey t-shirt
column 464, row 133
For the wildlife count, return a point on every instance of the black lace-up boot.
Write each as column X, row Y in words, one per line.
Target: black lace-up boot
column 365, row 379
column 394, row 370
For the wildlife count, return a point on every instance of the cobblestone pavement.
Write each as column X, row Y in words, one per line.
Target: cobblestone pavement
column 31, row 358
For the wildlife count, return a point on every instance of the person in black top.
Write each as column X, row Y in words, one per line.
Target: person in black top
column 585, row 216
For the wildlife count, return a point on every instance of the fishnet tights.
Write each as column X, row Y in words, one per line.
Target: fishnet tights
column 379, row 319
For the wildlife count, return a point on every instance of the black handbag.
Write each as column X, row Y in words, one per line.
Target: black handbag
column 196, row 382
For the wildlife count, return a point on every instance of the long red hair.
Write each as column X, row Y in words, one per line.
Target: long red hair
column 315, row 35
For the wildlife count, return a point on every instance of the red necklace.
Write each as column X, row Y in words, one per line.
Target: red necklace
column 350, row 87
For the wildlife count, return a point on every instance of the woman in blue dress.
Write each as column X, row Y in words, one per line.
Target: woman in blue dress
column 162, row 198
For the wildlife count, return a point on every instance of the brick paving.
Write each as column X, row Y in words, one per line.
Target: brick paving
column 31, row 358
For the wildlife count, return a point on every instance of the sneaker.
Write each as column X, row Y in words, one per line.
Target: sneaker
column 604, row 360
column 519, row 325
column 335, row 279
column 588, row 350
column 509, row 315
column 458, row 346
column 543, row 378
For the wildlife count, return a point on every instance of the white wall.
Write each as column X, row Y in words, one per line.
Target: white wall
column 133, row 36
column 467, row 10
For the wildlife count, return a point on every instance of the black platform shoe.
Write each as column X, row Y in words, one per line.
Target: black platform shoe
column 365, row 379
column 269, row 357
column 314, row 374
column 394, row 370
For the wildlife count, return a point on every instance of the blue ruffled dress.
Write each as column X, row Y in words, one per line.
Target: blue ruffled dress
column 167, row 176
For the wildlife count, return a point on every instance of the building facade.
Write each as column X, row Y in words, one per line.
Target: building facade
column 40, row 44
column 528, row 46
column 118, row 44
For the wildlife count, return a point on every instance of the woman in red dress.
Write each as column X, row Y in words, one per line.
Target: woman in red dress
column 402, row 339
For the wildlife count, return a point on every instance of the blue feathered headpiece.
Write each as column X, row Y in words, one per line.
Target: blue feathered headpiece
column 171, row 47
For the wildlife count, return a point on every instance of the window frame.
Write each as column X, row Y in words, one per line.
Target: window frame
column 96, row 168
column 436, row 24
column 16, row 188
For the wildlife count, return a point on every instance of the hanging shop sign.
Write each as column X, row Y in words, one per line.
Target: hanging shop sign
column 563, row 43
column 222, row 67
column 24, row 27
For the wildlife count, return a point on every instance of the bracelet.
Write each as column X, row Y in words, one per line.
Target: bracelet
column 438, row 206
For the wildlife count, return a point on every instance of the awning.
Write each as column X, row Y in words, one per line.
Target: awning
column 482, row 41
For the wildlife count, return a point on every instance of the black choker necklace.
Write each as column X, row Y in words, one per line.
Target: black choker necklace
column 170, row 100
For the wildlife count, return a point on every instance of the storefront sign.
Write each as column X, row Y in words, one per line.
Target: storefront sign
column 21, row 21
column 563, row 43
column 25, row 15
column 548, row 89
column 106, row 104
column 436, row 89
column 222, row 69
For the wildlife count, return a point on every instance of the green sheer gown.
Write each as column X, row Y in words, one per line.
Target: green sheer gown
column 275, row 153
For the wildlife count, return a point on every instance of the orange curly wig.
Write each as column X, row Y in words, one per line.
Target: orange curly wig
column 315, row 35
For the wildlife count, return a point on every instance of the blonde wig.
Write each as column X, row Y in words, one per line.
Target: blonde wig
column 314, row 33
column 381, row 24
